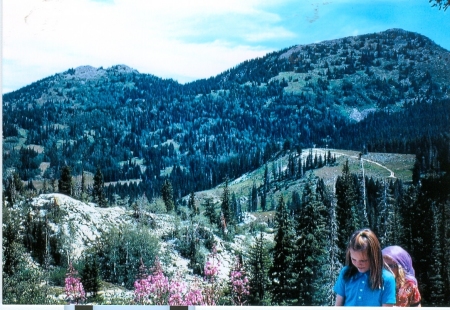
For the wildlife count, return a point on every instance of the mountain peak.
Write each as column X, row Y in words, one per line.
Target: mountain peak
column 122, row 69
column 399, row 30
column 84, row 73
column 88, row 72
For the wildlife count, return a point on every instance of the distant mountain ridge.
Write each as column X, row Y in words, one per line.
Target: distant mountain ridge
column 139, row 126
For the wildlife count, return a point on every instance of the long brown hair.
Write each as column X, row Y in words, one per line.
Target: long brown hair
column 365, row 240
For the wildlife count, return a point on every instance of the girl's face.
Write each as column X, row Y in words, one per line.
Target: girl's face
column 360, row 260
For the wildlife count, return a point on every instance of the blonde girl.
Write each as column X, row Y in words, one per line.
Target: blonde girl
column 400, row 262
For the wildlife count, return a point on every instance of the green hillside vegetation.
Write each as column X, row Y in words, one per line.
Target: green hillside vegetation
column 400, row 164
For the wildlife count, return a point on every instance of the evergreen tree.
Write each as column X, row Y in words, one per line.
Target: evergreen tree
column 13, row 188
column 250, row 201
column 30, row 186
column 295, row 203
column 233, row 208
column 21, row 283
column 310, row 253
column 225, row 206
column 408, row 216
column 98, row 192
column 363, row 194
column 291, row 165
column 423, row 237
column 136, row 210
column 236, row 207
column 65, row 181
column 84, row 189
column 192, row 206
column 210, row 212
column 45, row 186
column 12, row 243
column 83, row 182
column 347, row 214
column 436, row 270
column 258, row 266
column 389, row 216
column 266, row 181
column 332, row 264
column 120, row 249
column 254, row 198
column 53, row 184
column 416, row 172
column 263, row 201
column 300, row 167
column 437, row 277
column 39, row 232
column 281, row 273
column 274, row 172
column 445, row 237
column 90, row 275
column 333, row 259
column 167, row 195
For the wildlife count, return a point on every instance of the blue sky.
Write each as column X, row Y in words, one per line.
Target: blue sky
column 188, row 40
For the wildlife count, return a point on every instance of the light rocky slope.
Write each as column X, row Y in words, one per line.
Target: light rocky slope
column 83, row 223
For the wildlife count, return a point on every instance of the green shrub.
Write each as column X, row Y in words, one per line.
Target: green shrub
column 57, row 276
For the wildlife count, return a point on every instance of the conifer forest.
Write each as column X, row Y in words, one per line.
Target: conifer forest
column 120, row 187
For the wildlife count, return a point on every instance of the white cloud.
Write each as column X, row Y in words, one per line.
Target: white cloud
column 181, row 39
column 269, row 34
column 165, row 38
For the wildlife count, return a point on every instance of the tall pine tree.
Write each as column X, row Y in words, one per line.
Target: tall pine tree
column 98, row 193
column 280, row 274
column 210, row 212
column 310, row 250
column 65, row 181
column 258, row 266
column 167, row 195
column 192, row 206
column 346, row 208
column 389, row 216
column 225, row 206
column 332, row 265
column 90, row 275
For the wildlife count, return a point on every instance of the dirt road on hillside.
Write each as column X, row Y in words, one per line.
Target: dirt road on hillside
column 392, row 174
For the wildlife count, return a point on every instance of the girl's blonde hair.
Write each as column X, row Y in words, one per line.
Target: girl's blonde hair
column 365, row 240
column 401, row 278
column 404, row 262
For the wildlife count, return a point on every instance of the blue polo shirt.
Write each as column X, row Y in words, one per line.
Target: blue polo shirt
column 357, row 292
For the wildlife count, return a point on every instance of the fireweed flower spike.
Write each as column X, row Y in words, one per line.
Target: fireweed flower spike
column 195, row 295
column 73, row 287
column 157, row 289
column 239, row 284
column 176, row 293
column 153, row 290
column 212, row 286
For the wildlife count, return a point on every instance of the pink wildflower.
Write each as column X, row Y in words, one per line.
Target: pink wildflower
column 212, row 286
column 239, row 284
column 176, row 293
column 154, row 289
column 73, row 286
column 194, row 296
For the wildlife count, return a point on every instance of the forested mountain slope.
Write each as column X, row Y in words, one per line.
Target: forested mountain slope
column 138, row 126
